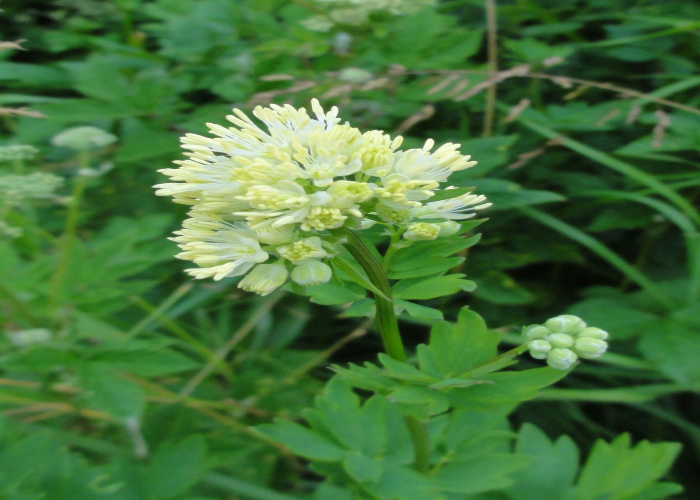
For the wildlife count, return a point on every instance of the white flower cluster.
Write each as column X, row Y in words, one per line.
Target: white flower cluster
column 17, row 152
column 357, row 12
column 14, row 189
column 264, row 200
column 564, row 339
column 83, row 138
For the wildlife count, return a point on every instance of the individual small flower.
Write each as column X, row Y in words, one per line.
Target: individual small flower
column 17, row 152
column 301, row 250
column 561, row 359
column 83, row 138
column 311, row 272
column 264, row 279
column 422, row 231
column 563, row 339
column 448, row 228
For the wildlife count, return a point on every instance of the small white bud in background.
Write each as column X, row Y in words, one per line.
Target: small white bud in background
column 311, row 272
column 30, row 336
column 561, row 359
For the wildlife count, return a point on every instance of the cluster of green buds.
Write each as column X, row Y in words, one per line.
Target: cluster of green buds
column 564, row 339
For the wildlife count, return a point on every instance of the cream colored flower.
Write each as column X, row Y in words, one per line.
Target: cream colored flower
column 277, row 186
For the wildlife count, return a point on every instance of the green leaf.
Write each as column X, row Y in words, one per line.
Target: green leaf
column 415, row 255
column 427, row 268
column 418, row 311
column 422, row 402
column 363, row 468
column 176, row 467
column 107, row 390
column 553, row 469
column 302, row 441
column 332, row 294
column 613, row 468
column 455, row 349
column 456, row 382
column 480, row 474
column 419, row 289
column 507, row 389
column 355, row 275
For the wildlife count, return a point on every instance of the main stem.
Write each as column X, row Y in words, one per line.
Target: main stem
column 69, row 230
column 385, row 319
column 388, row 327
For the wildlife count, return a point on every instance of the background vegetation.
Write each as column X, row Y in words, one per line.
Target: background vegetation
column 120, row 378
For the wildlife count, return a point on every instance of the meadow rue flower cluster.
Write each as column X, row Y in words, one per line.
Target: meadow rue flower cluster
column 37, row 185
column 357, row 12
column 17, row 152
column 264, row 199
column 564, row 339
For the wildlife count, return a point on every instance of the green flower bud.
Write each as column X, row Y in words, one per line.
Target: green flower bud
column 536, row 332
column 593, row 332
column 393, row 215
column 539, row 346
column 311, row 272
column 561, row 340
column 565, row 324
column 83, row 138
column 422, row 231
column 589, row 347
column 448, row 228
column 264, row 279
column 561, row 359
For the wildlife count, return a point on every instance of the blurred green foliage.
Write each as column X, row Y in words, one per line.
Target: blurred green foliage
column 143, row 385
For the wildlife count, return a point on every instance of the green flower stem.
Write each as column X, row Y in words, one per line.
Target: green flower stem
column 69, row 229
column 393, row 247
column 388, row 327
column 421, row 444
column 386, row 321
column 18, row 166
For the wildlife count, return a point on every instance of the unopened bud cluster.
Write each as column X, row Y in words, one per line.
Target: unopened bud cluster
column 564, row 339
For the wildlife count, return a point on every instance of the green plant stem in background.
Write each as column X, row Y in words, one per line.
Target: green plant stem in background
column 18, row 166
column 388, row 327
column 69, row 229
column 492, row 50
